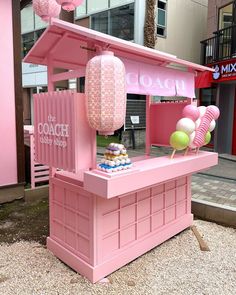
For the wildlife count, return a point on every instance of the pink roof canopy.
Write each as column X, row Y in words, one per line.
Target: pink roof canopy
column 64, row 46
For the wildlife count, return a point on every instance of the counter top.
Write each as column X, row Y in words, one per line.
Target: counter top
column 146, row 172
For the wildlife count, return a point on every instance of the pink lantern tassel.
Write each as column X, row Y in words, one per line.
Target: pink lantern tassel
column 69, row 5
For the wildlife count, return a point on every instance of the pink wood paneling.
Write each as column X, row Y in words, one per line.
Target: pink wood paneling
column 163, row 119
column 95, row 236
column 127, row 255
column 8, row 159
column 124, row 221
column 67, row 109
column 71, row 217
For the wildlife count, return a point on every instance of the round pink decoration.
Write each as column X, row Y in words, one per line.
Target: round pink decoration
column 191, row 112
column 216, row 111
column 46, row 9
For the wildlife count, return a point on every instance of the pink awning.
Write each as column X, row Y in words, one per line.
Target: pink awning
column 203, row 80
column 69, row 46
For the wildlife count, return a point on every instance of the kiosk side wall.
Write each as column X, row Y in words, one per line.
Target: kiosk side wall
column 96, row 236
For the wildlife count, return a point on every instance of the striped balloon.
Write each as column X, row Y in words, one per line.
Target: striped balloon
column 203, row 128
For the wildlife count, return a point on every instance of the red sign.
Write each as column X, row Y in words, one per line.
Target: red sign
column 224, row 71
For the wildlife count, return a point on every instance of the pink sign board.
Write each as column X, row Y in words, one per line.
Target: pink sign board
column 146, row 79
column 60, row 125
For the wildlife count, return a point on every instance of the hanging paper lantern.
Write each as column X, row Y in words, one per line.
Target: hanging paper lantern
column 105, row 89
column 69, row 5
column 46, row 9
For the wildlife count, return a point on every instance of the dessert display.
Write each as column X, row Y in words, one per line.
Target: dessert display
column 115, row 159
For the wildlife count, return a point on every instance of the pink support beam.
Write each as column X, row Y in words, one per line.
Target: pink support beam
column 68, row 75
column 148, row 141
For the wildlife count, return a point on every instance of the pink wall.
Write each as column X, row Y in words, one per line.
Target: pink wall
column 8, row 159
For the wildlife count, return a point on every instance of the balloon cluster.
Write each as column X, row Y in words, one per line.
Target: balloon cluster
column 194, row 129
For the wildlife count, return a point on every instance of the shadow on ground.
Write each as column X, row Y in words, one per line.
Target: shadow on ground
column 24, row 221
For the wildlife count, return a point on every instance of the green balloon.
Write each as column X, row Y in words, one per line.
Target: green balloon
column 179, row 140
column 207, row 137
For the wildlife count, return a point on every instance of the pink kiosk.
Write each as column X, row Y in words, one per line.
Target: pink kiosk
column 100, row 221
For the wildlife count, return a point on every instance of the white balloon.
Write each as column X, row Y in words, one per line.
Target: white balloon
column 191, row 139
column 186, row 125
column 212, row 125
column 202, row 111
column 197, row 123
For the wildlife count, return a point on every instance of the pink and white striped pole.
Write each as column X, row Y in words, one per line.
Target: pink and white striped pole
column 212, row 113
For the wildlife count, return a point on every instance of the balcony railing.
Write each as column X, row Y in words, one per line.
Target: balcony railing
column 221, row 46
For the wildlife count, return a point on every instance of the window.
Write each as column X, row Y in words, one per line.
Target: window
column 118, row 22
column 122, row 22
column 99, row 22
column 161, row 17
column 114, row 3
column 225, row 16
column 28, row 41
column 135, row 106
column 27, row 19
column 94, row 5
column 32, row 28
column 89, row 7
column 30, row 21
column 81, row 10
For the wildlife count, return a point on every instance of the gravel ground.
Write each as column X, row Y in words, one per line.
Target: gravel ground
column 178, row 266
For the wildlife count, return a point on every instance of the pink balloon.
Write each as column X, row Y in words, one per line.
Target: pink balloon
column 191, row 112
column 216, row 111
